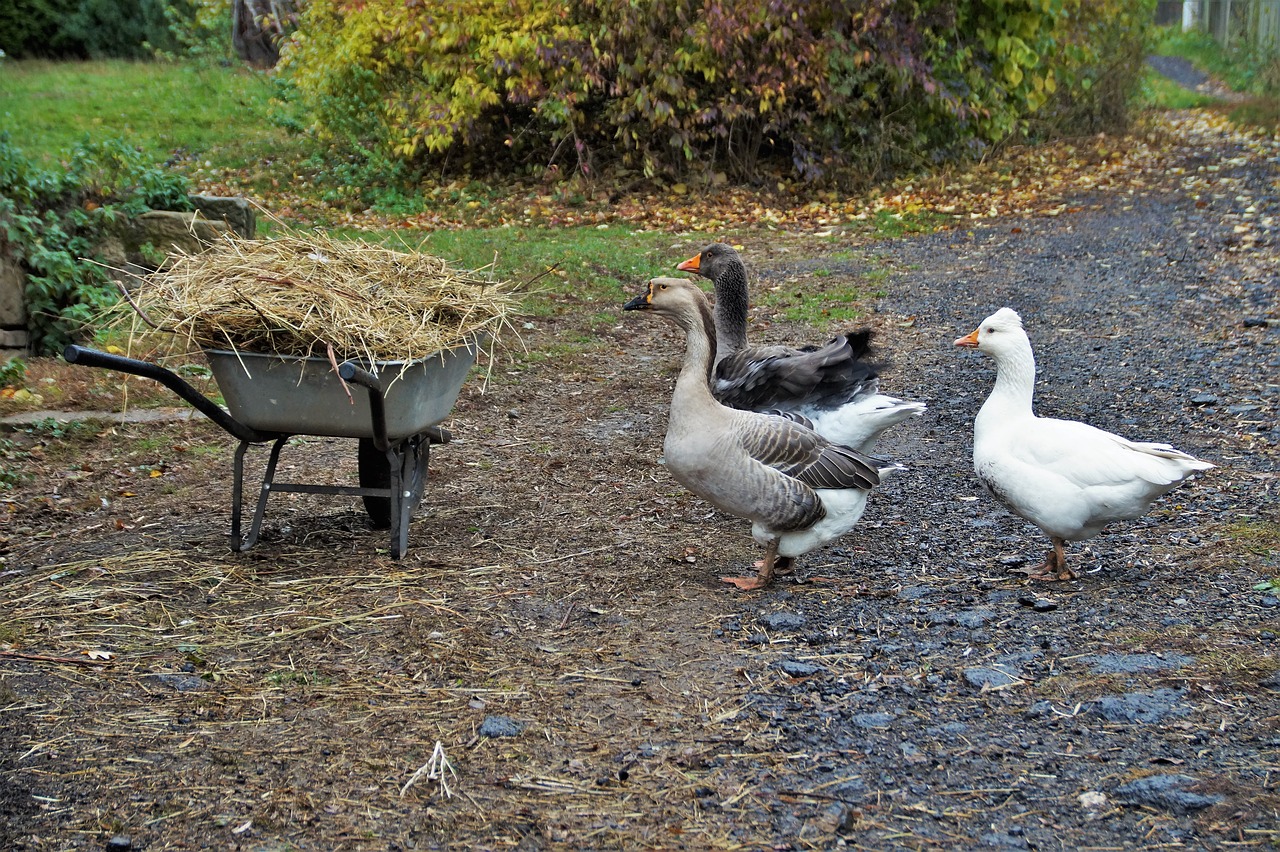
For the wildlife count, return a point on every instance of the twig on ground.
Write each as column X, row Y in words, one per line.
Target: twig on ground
column 437, row 768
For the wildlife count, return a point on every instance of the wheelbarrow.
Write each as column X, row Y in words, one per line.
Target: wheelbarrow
column 394, row 413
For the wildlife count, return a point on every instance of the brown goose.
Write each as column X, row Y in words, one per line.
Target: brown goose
column 798, row 489
column 832, row 385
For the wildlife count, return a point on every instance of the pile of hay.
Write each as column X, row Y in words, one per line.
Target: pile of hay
column 314, row 295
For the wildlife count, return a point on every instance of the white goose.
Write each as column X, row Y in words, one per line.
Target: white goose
column 798, row 489
column 1069, row 479
column 832, row 385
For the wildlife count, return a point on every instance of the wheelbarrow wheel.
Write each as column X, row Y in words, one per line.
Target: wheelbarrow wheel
column 375, row 472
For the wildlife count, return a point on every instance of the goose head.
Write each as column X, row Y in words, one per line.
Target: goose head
column 679, row 300
column 711, row 261
column 998, row 334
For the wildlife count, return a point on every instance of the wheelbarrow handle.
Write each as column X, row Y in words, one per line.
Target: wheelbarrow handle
column 93, row 358
column 350, row 371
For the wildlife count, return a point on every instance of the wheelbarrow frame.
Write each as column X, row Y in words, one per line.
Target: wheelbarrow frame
column 393, row 472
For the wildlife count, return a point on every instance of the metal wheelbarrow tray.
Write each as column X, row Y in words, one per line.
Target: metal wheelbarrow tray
column 393, row 412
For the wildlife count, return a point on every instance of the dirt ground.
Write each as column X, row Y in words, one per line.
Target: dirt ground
column 558, row 630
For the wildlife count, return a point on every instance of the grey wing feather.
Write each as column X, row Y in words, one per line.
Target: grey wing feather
column 764, row 377
column 799, row 452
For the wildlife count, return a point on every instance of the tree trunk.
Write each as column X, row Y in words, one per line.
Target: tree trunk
column 257, row 27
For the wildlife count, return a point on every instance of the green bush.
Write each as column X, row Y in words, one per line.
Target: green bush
column 120, row 29
column 34, row 28
column 52, row 222
column 734, row 86
column 76, row 29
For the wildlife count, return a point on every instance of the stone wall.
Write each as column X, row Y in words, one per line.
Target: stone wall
column 13, row 311
column 130, row 251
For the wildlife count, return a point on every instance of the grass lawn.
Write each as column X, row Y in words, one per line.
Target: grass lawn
column 164, row 109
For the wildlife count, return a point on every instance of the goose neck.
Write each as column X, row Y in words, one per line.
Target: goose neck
column 732, row 303
column 1015, row 379
column 694, row 381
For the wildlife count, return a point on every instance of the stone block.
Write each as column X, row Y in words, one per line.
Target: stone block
column 238, row 213
column 13, row 283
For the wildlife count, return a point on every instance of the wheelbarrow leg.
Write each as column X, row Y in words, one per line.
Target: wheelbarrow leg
column 239, row 545
column 409, row 481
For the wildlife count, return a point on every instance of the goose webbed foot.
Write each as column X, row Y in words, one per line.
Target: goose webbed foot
column 1055, row 566
column 772, row 563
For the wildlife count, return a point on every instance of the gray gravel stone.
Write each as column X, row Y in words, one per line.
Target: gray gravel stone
column 1166, row 791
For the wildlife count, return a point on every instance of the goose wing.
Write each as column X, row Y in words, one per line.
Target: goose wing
column 758, row 378
column 802, row 454
column 1089, row 457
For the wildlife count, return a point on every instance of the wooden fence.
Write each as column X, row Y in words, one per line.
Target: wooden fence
column 1252, row 24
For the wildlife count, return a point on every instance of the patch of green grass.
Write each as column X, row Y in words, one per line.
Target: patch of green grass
column 1260, row 112
column 890, row 225
column 294, row 677
column 1159, row 92
column 1257, row 536
column 10, row 473
column 584, row 264
column 1241, row 68
column 201, row 111
column 52, row 428
column 835, row 304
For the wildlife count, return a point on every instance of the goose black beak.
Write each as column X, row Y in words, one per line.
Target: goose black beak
column 639, row 303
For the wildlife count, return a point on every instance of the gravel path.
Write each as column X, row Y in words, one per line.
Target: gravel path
column 938, row 700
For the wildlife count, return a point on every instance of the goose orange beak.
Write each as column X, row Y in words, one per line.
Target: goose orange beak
column 969, row 341
column 692, row 264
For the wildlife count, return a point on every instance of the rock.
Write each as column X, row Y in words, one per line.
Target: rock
column 985, row 678
column 173, row 231
column 783, row 621
column 837, row 817
column 13, row 311
column 795, row 668
column 500, row 726
column 137, row 246
column 1166, row 791
column 1204, row 399
column 873, row 720
column 1141, row 707
column 1092, row 800
column 1039, row 710
column 974, row 618
column 1136, row 663
column 1004, row 841
column 119, row 843
column 235, row 213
